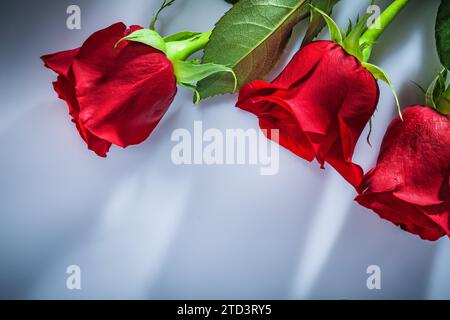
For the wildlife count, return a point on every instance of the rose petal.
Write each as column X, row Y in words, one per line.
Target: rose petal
column 60, row 62
column 410, row 185
column 321, row 103
column 123, row 93
column 66, row 92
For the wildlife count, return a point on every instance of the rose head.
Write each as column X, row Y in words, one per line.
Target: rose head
column 115, row 95
column 410, row 184
column 320, row 103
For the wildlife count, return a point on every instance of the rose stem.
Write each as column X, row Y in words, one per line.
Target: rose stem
column 380, row 24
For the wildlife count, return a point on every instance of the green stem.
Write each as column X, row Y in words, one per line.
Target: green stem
column 383, row 21
column 165, row 4
column 181, row 50
column 153, row 24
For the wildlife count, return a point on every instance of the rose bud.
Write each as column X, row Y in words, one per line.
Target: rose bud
column 324, row 98
column 120, row 82
column 115, row 96
column 410, row 184
column 319, row 107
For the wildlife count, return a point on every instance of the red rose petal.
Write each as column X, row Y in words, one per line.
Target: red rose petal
column 124, row 92
column 115, row 95
column 409, row 186
column 321, row 103
column 66, row 92
column 60, row 62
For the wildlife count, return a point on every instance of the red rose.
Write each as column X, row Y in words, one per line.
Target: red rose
column 320, row 103
column 115, row 95
column 410, row 184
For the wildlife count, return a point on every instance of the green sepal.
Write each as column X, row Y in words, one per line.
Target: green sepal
column 335, row 33
column 178, row 46
column 352, row 40
column 180, row 36
column 188, row 72
column 436, row 89
column 437, row 95
column 316, row 22
column 186, row 44
column 380, row 74
column 359, row 40
column 197, row 96
column 444, row 103
column 148, row 37
column 349, row 40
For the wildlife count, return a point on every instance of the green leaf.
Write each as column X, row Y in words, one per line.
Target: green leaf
column 380, row 74
column 148, row 37
column 250, row 39
column 335, row 33
column 181, row 36
column 316, row 22
column 232, row 1
column 443, row 33
column 188, row 72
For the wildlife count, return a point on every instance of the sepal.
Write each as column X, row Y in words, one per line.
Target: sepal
column 178, row 47
column 438, row 95
column 188, row 72
column 148, row 37
column 335, row 33
column 380, row 74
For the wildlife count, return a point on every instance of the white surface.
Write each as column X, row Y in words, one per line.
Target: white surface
column 141, row 227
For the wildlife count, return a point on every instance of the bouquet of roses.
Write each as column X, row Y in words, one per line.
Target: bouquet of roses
column 120, row 83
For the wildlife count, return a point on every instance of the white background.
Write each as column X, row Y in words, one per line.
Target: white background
column 141, row 227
